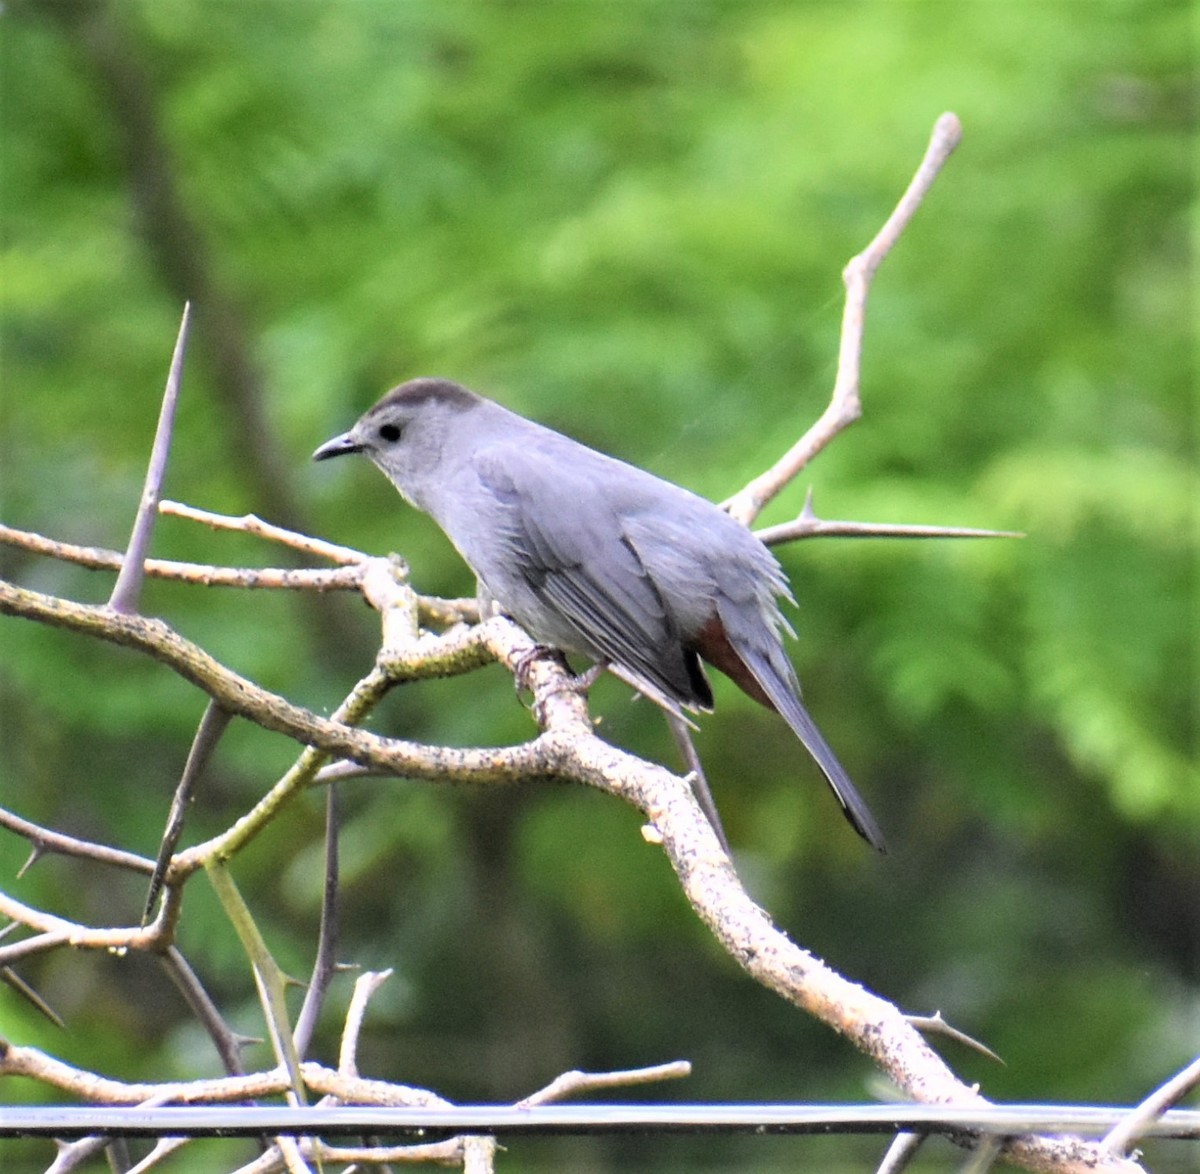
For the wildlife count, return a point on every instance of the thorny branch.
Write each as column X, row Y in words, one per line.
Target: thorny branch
column 845, row 405
column 565, row 747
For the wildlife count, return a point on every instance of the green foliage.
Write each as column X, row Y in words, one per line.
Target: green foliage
column 629, row 221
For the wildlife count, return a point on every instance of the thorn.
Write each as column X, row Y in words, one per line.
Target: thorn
column 936, row 1025
column 35, row 854
column 126, row 593
column 23, row 988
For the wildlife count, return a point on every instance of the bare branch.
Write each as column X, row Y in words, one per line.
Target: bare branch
column 1121, row 1139
column 96, row 558
column 250, row 524
column 444, row 1153
column 366, row 985
column 45, row 840
column 901, row 1153
column 269, row 979
column 162, row 1150
column 573, row 1083
column 772, row 959
column 127, row 591
column 59, row 931
column 458, row 651
column 70, row 1157
column 568, row 748
column 325, row 962
column 808, row 525
column 227, row 1042
column 681, row 731
column 12, row 979
column 100, row 1090
column 43, row 943
column 987, row 1150
column 212, row 725
column 845, row 405
column 793, row 531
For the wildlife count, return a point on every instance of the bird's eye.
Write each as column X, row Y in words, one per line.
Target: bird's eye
column 389, row 433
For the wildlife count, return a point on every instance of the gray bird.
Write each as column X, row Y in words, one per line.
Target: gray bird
column 596, row 557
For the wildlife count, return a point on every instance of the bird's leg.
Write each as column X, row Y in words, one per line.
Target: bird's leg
column 586, row 679
column 581, row 682
column 681, row 730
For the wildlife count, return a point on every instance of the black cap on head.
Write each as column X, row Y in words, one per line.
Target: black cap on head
column 418, row 391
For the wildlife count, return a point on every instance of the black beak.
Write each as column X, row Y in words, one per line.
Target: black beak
column 339, row 446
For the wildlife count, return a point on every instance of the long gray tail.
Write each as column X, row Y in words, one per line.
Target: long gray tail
column 783, row 696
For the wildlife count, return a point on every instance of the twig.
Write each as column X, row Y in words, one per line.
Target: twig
column 70, row 1157
column 12, row 979
column 364, row 987
column 213, row 724
column 127, row 591
column 45, row 840
column 100, row 1090
column 349, row 577
column 269, row 980
column 458, row 650
column 792, row 531
column 444, row 1153
column 808, row 525
column 845, row 405
column 163, row 1149
column 681, row 731
column 250, row 524
column 97, row 558
column 901, row 1152
column 293, row 1159
column 41, row 944
column 131, row 937
column 1120, row 1140
column 573, row 1083
column 325, row 962
column 227, row 1042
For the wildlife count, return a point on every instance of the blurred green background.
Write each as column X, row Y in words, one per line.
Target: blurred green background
column 628, row 221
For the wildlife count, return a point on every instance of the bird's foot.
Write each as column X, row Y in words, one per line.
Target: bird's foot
column 580, row 682
column 586, row 679
column 526, row 661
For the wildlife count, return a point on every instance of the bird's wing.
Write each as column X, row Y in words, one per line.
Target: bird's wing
column 567, row 539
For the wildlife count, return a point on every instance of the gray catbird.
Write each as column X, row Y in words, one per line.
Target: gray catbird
column 593, row 556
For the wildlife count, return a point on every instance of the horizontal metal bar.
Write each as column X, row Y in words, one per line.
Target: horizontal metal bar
column 425, row 1124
